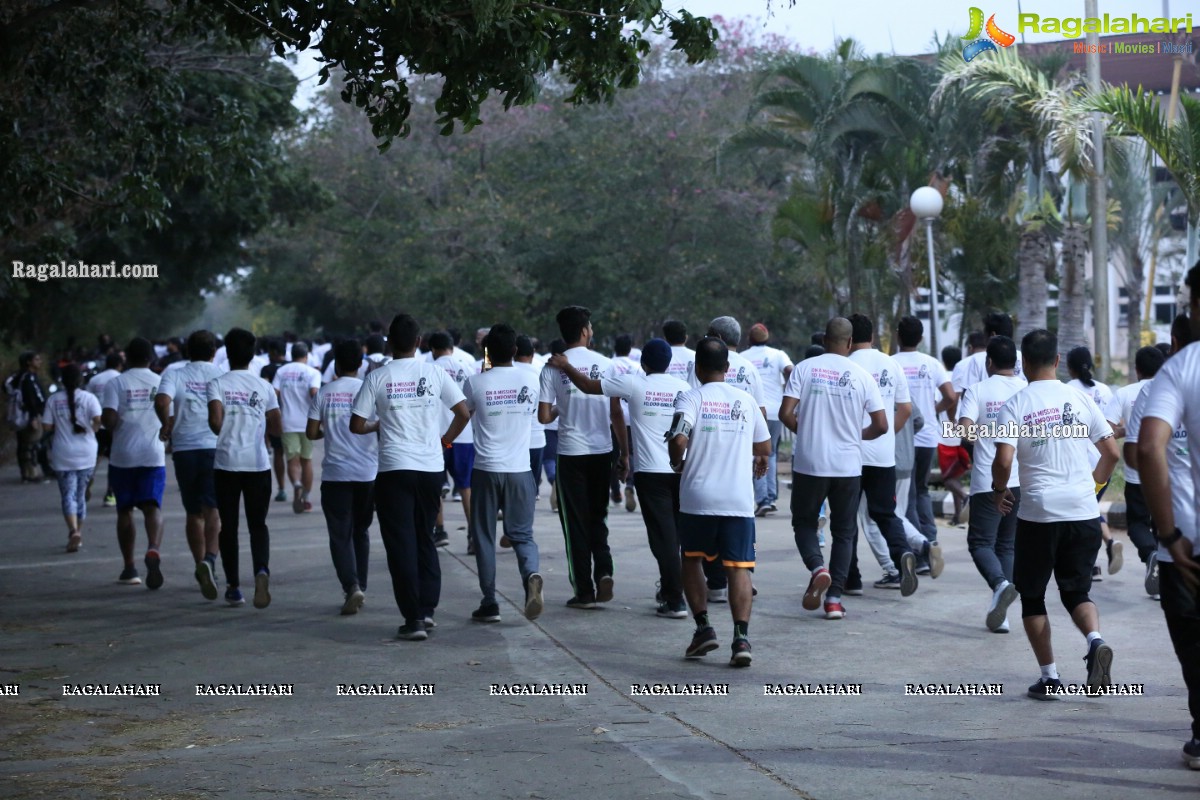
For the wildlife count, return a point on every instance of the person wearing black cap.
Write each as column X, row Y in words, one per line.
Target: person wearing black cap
column 651, row 397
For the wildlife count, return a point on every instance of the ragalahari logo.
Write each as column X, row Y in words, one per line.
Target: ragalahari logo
column 980, row 44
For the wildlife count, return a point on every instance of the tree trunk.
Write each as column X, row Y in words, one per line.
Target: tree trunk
column 1135, row 271
column 1072, row 298
column 1032, row 295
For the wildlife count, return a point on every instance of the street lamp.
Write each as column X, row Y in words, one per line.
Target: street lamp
column 926, row 204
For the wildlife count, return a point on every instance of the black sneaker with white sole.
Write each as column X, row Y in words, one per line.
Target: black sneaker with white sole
column 412, row 631
column 704, row 641
column 1045, row 689
column 487, row 612
column 154, row 576
column 586, row 602
column 533, row 597
column 1151, row 582
column 129, row 577
column 890, row 581
column 1099, row 664
column 1191, row 754
column 908, row 574
column 672, row 610
column 740, row 657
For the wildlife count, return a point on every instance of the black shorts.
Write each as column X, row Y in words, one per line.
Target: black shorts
column 1067, row 550
column 103, row 442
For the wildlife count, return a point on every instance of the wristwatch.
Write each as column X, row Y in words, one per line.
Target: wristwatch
column 1172, row 539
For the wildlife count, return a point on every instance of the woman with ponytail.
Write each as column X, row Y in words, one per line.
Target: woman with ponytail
column 73, row 415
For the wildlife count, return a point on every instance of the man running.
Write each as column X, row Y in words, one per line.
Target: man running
column 113, row 364
column 624, row 364
column 774, row 368
column 182, row 408
column 651, row 396
column 460, row 458
column 584, row 459
column 1058, row 522
column 297, row 384
column 682, row 357
column 502, row 401
column 827, row 397
column 991, row 536
column 403, row 401
column 138, row 461
column 275, row 360
column 727, row 443
column 347, row 475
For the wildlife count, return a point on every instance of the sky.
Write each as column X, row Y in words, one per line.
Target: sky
column 885, row 26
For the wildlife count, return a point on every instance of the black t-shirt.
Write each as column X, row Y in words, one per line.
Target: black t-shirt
column 268, row 372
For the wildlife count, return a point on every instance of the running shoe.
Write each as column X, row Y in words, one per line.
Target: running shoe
column 440, row 537
column 908, row 574
column 889, row 581
column 1002, row 627
column 933, row 554
column 1097, row 575
column 429, row 623
column 154, row 576
column 585, row 602
column 206, row 579
column 704, row 641
column 129, row 577
column 233, row 596
column 506, row 542
column 740, row 657
column 282, row 496
column 553, row 500
column 1003, row 596
column 110, row 500
column 262, row 594
column 1045, row 688
column 672, row 610
column 1151, row 582
column 74, row 541
column 1191, row 754
column 487, row 612
column 354, row 601
column 853, row 587
column 818, row 584
column 604, row 589
column 834, row 611
column 1099, row 663
column 298, row 500
column 760, row 510
column 534, row 602
column 615, row 494
column 1116, row 556
column 412, row 631
column 630, row 499
column 718, row 595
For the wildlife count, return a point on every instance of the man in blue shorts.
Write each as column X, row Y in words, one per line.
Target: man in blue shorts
column 727, row 443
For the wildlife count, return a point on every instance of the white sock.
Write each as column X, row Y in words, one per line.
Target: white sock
column 1050, row 671
column 1091, row 636
column 830, row 599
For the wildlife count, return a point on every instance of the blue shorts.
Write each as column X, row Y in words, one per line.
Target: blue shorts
column 194, row 473
column 460, row 460
column 136, row 486
column 710, row 537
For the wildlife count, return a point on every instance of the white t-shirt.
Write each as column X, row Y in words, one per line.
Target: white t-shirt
column 71, row 451
column 100, row 380
column 409, row 396
column 255, row 367
column 241, row 445
column 583, row 420
column 501, row 401
column 981, row 404
column 771, row 363
column 683, row 359
column 1056, row 479
column 188, row 389
column 833, row 394
column 651, row 401
column 740, row 375
column 1099, row 392
column 1119, row 410
column 459, row 370
column 135, row 441
column 296, row 382
column 348, row 456
column 624, row 365
column 718, row 473
column 1179, row 471
column 974, row 370
column 537, row 431
column 925, row 376
column 893, row 388
column 1172, row 398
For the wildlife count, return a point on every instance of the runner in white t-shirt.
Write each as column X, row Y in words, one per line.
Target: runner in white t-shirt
column 651, row 397
column 1169, row 467
column 297, row 384
column 774, row 368
column 113, row 364
column 682, row 356
column 727, row 443
column 1139, row 525
column 138, row 461
column 823, row 404
column 408, row 395
column 347, row 475
column 974, row 367
column 991, row 536
column 243, row 410
column 460, row 458
column 72, row 416
column 624, row 364
column 502, row 402
column 182, row 408
column 954, row 455
column 1058, row 522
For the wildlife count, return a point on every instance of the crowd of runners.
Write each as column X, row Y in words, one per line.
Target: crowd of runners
column 410, row 421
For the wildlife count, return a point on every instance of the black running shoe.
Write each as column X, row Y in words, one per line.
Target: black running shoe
column 672, row 610
column 129, row 577
column 440, row 537
column 704, row 641
column 487, row 612
column 585, row 602
column 908, row 574
column 412, row 631
column 154, row 576
column 1045, row 688
column 1099, row 661
column 1191, row 754
column 741, row 652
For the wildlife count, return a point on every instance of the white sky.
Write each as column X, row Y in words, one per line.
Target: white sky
column 884, row 25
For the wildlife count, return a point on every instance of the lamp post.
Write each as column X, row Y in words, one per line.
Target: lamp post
column 926, row 203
